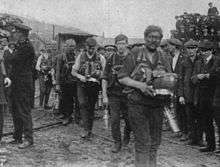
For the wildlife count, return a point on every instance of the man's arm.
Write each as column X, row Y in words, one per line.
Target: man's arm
column 58, row 68
column 75, row 69
column 125, row 72
column 37, row 67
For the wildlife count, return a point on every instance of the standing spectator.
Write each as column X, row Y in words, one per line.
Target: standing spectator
column 175, row 46
column 4, row 80
column 187, row 88
column 212, row 10
column 216, row 102
column 8, row 67
column 205, row 88
column 22, row 87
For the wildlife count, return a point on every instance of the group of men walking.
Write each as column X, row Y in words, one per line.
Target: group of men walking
column 126, row 79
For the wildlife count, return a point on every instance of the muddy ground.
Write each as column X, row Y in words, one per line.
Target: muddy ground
column 61, row 146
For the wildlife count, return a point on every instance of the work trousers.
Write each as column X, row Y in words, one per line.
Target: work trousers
column 68, row 99
column 87, row 96
column 118, row 107
column 206, row 113
column 192, row 113
column 45, row 89
column 1, row 120
column 217, row 120
column 146, row 124
column 21, row 107
column 181, row 117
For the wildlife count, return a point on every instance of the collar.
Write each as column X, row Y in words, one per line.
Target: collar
column 208, row 58
column 176, row 54
column 10, row 50
column 90, row 56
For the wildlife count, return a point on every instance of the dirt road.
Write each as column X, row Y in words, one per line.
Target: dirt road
column 62, row 147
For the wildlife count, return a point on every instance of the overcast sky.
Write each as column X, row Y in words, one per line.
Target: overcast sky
column 130, row 17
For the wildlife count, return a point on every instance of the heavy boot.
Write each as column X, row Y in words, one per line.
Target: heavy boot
column 41, row 99
column 116, row 147
column 142, row 160
column 86, row 135
column 46, row 107
column 126, row 137
column 153, row 158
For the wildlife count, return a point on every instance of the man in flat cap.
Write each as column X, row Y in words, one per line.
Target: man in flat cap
column 112, row 93
column 22, row 63
column 66, row 84
column 110, row 51
column 164, row 45
column 145, row 111
column 175, row 46
column 187, row 92
column 88, row 69
column 205, row 87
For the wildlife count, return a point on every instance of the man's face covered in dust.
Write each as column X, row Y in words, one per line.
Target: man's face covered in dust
column 70, row 48
column 152, row 40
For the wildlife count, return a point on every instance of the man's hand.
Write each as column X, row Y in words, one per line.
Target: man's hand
column 148, row 90
column 105, row 100
column 7, row 82
column 82, row 79
column 207, row 76
column 201, row 76
column 57, row 88
column 182, row 100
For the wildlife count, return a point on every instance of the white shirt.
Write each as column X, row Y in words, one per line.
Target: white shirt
column 37, row 67
column 175, row 59
column 208, row 59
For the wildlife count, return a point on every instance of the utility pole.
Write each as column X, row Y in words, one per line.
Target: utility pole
column 53, row 37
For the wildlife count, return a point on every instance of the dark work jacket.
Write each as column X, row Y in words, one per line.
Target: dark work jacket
column 186, row 88
column 63, row 69
column 22, row 59
column 132, row 61
column 8, row 65
column 113, row 65
column 22, row 78
column 204, row 88
column 177, row 71
column 216, row 75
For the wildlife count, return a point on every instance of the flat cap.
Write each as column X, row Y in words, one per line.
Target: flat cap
column 100, row 48
column 206, row 45
column 153, row 28
column 21, row 27
column 174, row 41
column 191, row 43
column 70, row 42
column 113, row 47
column 163, row 42
column 91, row 41
column 121, row 37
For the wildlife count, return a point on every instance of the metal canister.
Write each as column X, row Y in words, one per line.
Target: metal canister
column 100, row 100
column 171, row 117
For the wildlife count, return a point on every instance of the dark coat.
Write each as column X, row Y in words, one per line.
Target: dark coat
column 64, row 65
column 21, row 75
column 177, row 70
column 186, row 87
column 204, row 88
column 216, row 74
